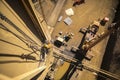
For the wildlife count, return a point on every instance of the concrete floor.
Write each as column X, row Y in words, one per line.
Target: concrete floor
column 84, row 15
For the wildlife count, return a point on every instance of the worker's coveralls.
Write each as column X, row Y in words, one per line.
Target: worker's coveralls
column 45, row 50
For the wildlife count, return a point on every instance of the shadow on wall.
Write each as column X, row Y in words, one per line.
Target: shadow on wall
column 18, row 7
column 15, row 45
column 22, row 56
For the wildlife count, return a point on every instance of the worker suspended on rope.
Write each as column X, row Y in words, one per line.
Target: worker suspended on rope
column 45, row 49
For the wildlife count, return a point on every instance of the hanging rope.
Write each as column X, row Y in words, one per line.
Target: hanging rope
column 26, row 39
column 17, row 28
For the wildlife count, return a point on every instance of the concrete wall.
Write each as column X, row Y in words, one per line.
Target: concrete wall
column 13, row 44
